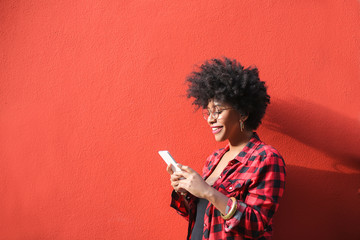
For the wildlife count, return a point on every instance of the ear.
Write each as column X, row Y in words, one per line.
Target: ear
column 243, row 117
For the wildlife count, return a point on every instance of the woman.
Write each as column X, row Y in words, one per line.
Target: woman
column 241, row 184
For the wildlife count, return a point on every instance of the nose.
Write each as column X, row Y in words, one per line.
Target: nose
column 211, row 119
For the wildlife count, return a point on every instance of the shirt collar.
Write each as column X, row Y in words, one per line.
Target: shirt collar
column 242, row 157
column 247, row 151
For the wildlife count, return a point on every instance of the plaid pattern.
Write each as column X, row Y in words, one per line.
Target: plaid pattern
column 256, row 178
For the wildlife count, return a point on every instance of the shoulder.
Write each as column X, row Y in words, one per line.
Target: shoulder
column 268, row 154
column 268, row 161
column 264, row 149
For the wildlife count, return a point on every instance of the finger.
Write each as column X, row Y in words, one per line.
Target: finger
column 186, row 168
column 177, row 177
column 178, row 189
column 185, row 174
column 175, row 185
column 182, row 187
column 178, row 174
column 174, row 178
column 169, row 170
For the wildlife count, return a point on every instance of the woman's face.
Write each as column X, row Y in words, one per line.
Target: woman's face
column 225, row 124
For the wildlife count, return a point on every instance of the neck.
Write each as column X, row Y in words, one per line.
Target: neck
column 236, row 145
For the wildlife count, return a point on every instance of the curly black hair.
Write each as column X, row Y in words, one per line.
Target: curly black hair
column 228, row 81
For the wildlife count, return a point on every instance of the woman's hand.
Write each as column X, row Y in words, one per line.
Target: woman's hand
column 188, row 180
column 169, row 170
column 174, row 179
column 191, row 182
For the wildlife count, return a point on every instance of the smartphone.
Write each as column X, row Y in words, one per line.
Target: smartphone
column 169, row 160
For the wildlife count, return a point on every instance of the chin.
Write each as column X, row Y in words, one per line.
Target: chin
column 219, row 139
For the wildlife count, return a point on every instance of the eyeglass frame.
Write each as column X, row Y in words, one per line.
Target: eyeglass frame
column 215, row 114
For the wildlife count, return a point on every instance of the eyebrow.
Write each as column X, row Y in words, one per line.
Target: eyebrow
column 218, row 105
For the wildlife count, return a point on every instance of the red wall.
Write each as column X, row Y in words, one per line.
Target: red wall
column 91, row 90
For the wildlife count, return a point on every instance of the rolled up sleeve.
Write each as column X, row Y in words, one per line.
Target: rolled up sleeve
column 254, row 215
column 178, row 203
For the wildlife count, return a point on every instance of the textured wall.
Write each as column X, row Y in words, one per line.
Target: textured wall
column 90, row 90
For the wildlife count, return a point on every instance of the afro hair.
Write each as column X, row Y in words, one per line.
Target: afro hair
column 228, row 81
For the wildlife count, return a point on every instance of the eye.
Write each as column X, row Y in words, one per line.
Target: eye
column 218, row 110
column 206, row 112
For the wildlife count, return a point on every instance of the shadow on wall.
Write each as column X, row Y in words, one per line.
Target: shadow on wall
column 330, row 132
column 318, row 205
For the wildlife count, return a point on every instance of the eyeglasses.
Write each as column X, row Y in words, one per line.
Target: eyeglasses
column 215, row 114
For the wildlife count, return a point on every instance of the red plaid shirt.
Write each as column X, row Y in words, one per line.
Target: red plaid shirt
column 256, row 178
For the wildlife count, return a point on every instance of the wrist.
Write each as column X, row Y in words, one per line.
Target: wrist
column 218, row 199
column 209, row 194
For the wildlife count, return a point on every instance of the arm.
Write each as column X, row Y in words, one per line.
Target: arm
column 195, row 184
column 181, row 200
column 255, row 213
column 180, row 204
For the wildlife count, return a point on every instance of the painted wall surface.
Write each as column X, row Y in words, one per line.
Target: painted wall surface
column 91, row 90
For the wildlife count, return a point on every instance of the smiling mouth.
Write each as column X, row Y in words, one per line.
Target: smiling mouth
column 216, row 130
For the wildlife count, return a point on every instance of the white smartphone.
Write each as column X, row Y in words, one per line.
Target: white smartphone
column 169, row 160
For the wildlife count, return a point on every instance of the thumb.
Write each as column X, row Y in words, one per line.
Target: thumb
column 185, row 168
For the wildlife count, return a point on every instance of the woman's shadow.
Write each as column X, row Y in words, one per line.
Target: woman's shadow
column 328, row 131
column 318, row 204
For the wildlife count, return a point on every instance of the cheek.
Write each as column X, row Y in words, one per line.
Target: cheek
column 234, row 124
column 230, row 120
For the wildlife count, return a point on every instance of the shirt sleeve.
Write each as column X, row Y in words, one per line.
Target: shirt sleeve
column 178, row 203
column 254, row 215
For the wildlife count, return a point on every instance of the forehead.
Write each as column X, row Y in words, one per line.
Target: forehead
column 216, row 103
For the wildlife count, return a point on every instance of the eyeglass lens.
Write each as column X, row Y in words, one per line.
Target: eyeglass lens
column 215, row 113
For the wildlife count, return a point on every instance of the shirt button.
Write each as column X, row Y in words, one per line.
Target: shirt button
column 220, row 176
column 230, row 188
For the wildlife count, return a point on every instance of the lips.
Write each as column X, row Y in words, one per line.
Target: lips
column 216, row 129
